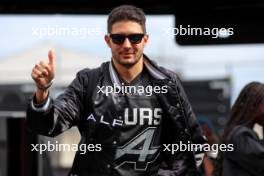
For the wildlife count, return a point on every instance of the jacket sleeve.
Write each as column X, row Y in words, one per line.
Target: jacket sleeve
column 248, row 151
column 182, row 164
column 58, row 114
column 193, row 126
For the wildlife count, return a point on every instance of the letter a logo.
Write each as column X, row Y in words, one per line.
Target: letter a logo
column 91, row 117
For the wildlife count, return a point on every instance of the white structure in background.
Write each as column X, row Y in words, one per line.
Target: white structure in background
column 16, row 69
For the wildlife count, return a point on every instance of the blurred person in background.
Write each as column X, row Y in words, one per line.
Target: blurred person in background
column 247, row 158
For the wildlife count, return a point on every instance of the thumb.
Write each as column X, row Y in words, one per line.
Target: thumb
column 51, row 57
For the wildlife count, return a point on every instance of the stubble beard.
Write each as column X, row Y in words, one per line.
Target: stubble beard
column 129, row 65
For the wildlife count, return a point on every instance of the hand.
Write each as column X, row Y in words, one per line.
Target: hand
column 43, row 73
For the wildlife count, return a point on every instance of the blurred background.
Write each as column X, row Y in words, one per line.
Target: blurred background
column 213, row 69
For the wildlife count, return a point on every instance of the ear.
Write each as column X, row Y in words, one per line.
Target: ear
column 145, row 39
column 107, row 40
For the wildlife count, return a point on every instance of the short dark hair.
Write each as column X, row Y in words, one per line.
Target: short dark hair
column 126, row 13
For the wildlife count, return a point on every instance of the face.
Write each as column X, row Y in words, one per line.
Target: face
column 126, row 54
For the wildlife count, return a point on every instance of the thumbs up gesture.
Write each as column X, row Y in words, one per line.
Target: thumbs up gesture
column 43, row 73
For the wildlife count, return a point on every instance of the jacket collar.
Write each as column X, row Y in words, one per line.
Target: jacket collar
column 152, row 68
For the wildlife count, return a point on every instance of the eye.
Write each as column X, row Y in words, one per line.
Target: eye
column 135, row 38
column 117, row 38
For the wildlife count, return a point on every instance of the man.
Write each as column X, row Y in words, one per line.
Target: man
column 130, row 106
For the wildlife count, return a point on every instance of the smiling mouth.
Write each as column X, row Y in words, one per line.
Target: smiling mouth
column 127, row 54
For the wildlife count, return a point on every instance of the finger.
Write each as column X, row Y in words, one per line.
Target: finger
column 51, row 57
column 42, row 66
column 41, row 72
column 44, row 73
column 34, row 75
column 38, row 68
column 45, row 66
column 37, row 72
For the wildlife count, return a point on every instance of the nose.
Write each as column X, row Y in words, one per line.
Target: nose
column 127, row 43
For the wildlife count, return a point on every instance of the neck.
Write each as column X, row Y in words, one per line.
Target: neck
column 129, row 73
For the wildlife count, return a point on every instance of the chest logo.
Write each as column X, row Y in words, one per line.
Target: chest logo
column 139, row 151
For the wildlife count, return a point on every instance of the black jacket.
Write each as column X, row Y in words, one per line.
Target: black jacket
column 69, row 109
column 247, row 159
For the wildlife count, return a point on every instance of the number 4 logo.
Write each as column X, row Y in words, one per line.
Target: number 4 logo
column 138, row 148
